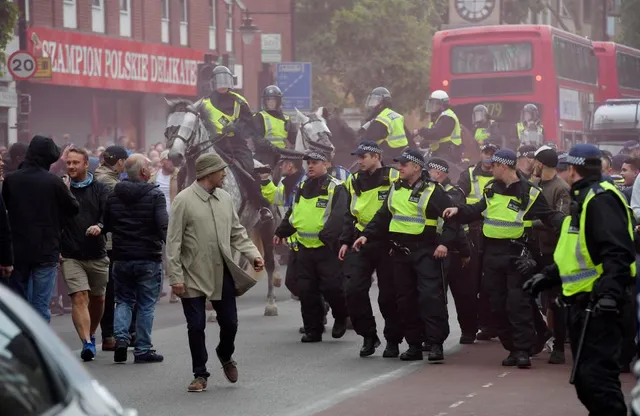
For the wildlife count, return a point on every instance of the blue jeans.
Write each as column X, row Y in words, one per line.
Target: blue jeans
column 138, row 283
column 35, row 283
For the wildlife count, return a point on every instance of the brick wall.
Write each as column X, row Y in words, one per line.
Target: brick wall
column 112, row 18
column 151, row 23
column 199, row 21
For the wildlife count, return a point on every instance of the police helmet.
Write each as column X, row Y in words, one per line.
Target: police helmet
column 532, row 110
column 272, row 92
column 437, row 100
column 480, row 114
column 222, row 78
column 379, row 96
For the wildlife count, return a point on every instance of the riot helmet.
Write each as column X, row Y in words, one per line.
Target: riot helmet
column 380, row 96
column 222, row 78
column 530, row 113
column 271, row 98
column 480, row 114
column 438, row 100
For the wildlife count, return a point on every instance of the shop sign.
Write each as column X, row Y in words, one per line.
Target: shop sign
column 83, row 60
column 8, row 99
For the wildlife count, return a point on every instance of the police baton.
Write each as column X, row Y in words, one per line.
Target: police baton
column 445, row 286
column 583, row 333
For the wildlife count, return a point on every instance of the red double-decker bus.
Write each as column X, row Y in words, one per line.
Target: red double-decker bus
column 618, row 71
column 506, row 67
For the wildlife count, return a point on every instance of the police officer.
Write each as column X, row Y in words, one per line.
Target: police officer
column 409, row 218
column 444, row 136
column 317, row 216
column 526, row 159
column 230, row 114
column 508, row 202
column 529, row 128
column 485, row 127
column 463, row 285
column 600, row 231
column 472, row 182
column 368, row 189
column 631, row 148
column 384, row 126
column 273, row 125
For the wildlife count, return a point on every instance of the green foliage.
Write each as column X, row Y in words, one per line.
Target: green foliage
column 9, row 13
column 630, row 22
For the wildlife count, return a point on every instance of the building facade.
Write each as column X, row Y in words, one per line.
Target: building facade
column 115, row 61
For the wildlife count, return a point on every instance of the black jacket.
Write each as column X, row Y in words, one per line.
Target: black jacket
column 136, row 215
column 76, row 244
column 461, row 245
column 6, row 246
column 37, row 202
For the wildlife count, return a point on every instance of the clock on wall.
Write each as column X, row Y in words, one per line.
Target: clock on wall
column 474, row 10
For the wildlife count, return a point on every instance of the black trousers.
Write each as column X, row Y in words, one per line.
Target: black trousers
column 227, row 316
column 320, row 276
column 421, row 299
column 464, row 289
column 106, row 323
column 358, row 268
column 474, row 269
column 510, row 305
column 598, row 374
column 290, row 279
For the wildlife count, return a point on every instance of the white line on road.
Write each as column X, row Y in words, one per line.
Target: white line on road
column 442, row 414
column 471, row 395
column 456, row 404
column 503, row 374
column 488, row 385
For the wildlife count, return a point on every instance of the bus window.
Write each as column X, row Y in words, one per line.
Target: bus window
column 574, row 61
column 628, row 71
column 480, row 59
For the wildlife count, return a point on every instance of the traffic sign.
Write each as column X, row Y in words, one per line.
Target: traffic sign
column 44, row 68
column 22, row 65
column 294, row 79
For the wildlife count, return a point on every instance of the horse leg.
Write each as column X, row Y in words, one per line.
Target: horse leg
column 273, row 276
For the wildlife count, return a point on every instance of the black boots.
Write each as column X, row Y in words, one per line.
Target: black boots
column 369, row 346
column 436, row 353
column 518, row 359
column 414, row 353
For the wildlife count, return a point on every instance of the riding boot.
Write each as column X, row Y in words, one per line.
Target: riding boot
column 265, row 211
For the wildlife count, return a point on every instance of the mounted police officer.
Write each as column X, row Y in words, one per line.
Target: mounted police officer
column 409, row 219
column 384, row 126
column 485, row 127
column 229, row 114
column 529, row 129
column 444, row 135
column 273, row 125
column 594, row 263
column 368, row 190
column 509, row 201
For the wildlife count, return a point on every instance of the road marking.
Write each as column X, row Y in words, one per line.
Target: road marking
column 442, row 414
column 471, row 395
column 503, row 374
column 488, row 385
column 456, row 404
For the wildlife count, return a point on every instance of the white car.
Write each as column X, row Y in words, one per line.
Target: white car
column 38, row 373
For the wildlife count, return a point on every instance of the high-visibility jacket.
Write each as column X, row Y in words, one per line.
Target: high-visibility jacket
column 409, row 209
column 504, row 216
column 308, row 216
column 483, row 133
column 478, row 183
column 365, row 204
column 276, row 196
column 394, row 122
column 456, row 134
column 221, row 119
column 577, row 269
column 275, row 129
column 522, row 128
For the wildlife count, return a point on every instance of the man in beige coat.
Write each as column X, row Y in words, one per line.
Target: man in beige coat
column 203, row 228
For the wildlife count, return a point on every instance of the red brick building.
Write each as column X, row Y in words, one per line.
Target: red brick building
column 114, row 61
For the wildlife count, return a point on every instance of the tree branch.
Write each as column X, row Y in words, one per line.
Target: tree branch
column 557, row 16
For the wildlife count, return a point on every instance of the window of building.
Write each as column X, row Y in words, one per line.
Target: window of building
column 164, row 22
column 229, row 31
column 212, row 25
column 184, row 23
column 97, row 16
column 125, row 18
column 69, row 14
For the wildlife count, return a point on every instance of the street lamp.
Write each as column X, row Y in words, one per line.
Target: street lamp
column 248, row 29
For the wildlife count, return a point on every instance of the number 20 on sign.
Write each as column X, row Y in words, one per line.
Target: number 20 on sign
column 22, row 65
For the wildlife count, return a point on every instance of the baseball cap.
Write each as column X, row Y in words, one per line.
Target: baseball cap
column 112, row 154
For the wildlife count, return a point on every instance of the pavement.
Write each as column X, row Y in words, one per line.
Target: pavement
column 280, row 376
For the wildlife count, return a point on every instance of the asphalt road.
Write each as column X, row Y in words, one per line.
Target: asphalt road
column 281, row 376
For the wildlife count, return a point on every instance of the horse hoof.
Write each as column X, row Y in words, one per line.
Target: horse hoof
column 271, row 310
column 212, row 318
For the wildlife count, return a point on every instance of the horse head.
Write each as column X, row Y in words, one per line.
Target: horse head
column 187, row 126
column 314, row 132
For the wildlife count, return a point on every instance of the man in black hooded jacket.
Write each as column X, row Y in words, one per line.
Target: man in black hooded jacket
column 37, row 202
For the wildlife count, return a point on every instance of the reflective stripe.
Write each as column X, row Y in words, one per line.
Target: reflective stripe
column 310, row 239
column 278, row 140
column 533, row 194
column 420, row 217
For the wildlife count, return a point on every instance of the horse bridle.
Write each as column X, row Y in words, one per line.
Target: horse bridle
column 192, row 150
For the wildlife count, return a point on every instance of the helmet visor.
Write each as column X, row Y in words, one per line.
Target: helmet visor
column 222, row 81
column 271, row 103
column 434, row 105
column 479, row 116
column 527, row 116
column 373, row 101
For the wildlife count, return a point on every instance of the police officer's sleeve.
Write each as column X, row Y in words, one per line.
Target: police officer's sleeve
column 464, row 182
column 609, row 244
column 468, row 213
column 375, row 132
column 409, row 135
column 258, row 125
column 330, row 233
column 269, row 190
column 348, row 235
column 443, row 128
column 438, row 202
column 379, row 225
column 542, row 211
column 285, row 229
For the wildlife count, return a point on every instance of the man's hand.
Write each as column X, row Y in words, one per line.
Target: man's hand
column 229, row 128
column 441, row 252
column 258, row 264
column 178, row 289
column 537, row 284
column 94, row 231
column 525, row 265
column 449, row 212
column 67, row 181
column 277, row 240
column 5, row 271
column 343, row 251
column 359, row 243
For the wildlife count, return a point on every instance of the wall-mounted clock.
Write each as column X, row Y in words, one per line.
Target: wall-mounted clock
column 474, row 10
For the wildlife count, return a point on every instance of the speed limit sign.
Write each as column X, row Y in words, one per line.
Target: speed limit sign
column 22, row 65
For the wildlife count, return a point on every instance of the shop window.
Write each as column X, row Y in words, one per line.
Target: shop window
column 212, row 25
column 69, row 14
column 184, row 23
column 229, row 31
column 97, row 16
column 125, row 18
column 164, row 22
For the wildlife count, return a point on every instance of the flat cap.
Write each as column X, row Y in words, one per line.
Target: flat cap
column 438, row 164
column 367, row 147
column 411, row 155
column 209, row 163
column 506, row 157
column 584, row 154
